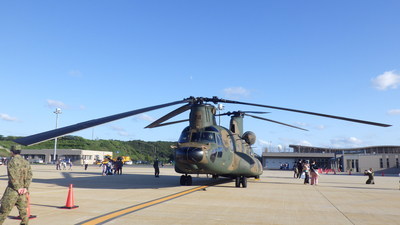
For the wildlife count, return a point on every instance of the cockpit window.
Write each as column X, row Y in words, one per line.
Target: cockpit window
column 195, row 137
column 206, row 137
column 184, row 137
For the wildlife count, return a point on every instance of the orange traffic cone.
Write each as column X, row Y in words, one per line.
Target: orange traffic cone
column 70, row 200
column 28, row 210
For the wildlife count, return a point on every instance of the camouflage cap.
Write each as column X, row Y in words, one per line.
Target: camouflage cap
column 16, row 149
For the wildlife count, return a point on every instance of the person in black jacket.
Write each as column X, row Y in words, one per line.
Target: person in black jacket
column 299, row 168
column 156, row 168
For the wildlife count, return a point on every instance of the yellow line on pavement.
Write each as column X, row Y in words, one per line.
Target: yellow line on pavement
column 113, row 215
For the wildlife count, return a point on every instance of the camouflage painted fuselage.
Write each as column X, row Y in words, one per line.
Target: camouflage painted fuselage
column 215, row 150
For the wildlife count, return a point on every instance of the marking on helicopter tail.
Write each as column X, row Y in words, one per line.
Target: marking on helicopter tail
column 122, row 212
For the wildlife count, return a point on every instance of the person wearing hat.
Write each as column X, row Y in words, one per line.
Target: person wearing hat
column 19, row 178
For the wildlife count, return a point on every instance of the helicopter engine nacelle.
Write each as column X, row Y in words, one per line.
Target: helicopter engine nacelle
column 249, row 137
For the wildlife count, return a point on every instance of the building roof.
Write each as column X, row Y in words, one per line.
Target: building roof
column 369, row 149
column 297, row 155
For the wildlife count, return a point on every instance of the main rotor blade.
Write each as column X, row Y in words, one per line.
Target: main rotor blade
column 307, row 112
column 170, row 123
column 169, row 115
column 273, row 121
column 239, row 112
column 40, row 137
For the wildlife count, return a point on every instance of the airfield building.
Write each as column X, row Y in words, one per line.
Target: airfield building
column 379, row 158
column 75, row 155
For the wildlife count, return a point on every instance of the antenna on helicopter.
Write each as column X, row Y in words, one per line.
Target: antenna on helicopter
column 220, row 107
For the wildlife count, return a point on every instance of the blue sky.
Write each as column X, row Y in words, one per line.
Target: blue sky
column 98, row 58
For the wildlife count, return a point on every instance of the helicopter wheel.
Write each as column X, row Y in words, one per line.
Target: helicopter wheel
column 183, row 180
column 237, row 181
column 243, row 181
column 186, row 180
column 189, row 180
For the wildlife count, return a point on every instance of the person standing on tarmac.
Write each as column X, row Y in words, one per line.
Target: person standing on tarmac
column 156, row 168
column 314, row 173
column 306, row 170
column 19, row 178
column 85, row 163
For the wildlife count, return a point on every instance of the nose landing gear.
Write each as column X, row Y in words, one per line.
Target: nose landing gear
column 241, row 180
column 186, row 180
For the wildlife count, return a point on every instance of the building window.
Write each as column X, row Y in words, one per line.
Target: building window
column 397, row 162
column 387, row 163
column 381, row 162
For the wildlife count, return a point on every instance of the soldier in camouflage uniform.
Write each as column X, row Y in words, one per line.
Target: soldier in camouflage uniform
column 19, row 179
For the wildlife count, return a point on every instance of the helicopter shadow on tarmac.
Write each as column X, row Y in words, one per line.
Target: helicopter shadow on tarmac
column 124, row 181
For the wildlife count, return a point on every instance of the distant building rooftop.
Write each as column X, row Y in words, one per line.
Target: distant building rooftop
column 384, row 149
column 297, row 155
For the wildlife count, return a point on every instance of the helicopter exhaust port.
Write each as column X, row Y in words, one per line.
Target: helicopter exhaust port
column 189, row 154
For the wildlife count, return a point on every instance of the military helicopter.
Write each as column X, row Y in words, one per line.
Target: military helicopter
column 203, row 147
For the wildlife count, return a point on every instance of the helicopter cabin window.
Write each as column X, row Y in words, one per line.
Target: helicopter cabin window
column 219, row 139
column 208, row 137
column 219, row 152
column 195, row 137
column 184, row 137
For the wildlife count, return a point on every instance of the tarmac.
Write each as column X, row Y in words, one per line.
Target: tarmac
column 137, row 197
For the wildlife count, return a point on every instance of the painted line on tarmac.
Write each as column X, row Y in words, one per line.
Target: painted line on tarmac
column 122, row 212
column 335, row 206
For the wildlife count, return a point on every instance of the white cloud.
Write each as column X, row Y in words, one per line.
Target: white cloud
column 145, row 117
column 236, row 92
column 387, row 80
column 320, row 127
column 55, row 103
column 123, row 133
column 120, row 131
column 347, row 142
column 306, row 125
column 6, row 117
column 394, row 112
column 263, row 143
column 116, row 128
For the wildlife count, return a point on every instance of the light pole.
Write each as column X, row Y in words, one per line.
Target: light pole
column 58, row 111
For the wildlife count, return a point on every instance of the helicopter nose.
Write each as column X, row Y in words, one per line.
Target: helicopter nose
column 189, row 154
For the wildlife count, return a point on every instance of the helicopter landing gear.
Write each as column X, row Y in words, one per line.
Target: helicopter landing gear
column 242, row 180
column 186, row 180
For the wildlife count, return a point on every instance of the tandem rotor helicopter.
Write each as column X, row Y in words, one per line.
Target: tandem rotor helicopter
column 203, row 147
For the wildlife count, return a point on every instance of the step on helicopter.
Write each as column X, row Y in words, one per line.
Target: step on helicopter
column 203, row 147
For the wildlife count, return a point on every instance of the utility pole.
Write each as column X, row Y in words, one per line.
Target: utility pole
column 57, row 112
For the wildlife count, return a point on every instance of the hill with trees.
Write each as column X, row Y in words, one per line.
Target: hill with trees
column 138, row 150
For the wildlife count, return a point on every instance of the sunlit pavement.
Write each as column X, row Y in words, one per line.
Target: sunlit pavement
column 277, row 198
